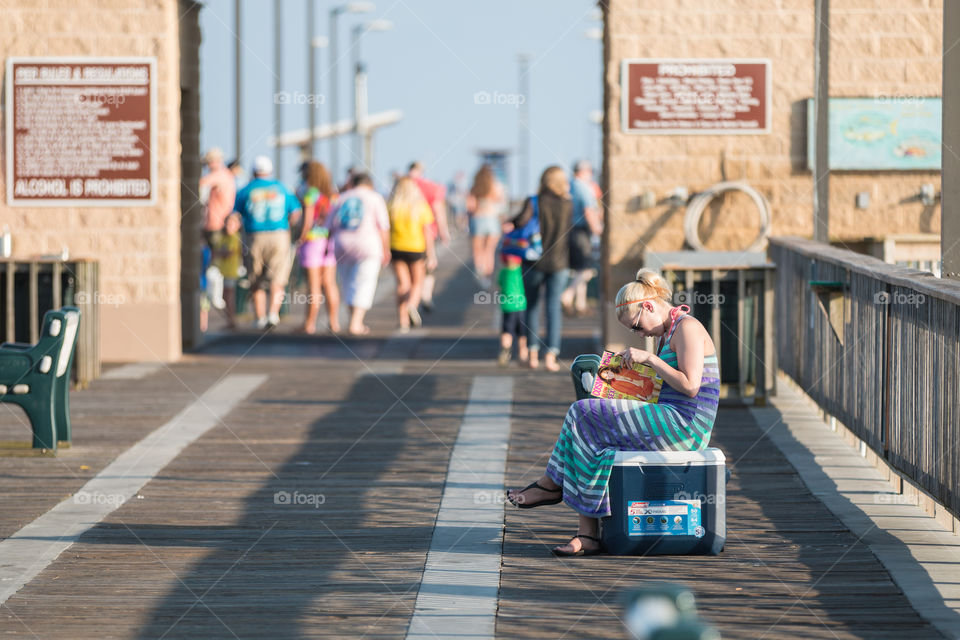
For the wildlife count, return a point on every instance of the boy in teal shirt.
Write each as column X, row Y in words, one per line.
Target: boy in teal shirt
column 513, row 302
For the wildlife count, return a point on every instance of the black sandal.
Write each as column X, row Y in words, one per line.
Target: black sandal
column 534, row 485
column 581, row 551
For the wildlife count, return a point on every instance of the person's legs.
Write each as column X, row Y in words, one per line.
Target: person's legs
column 313, row 299
column 575, row 295
column 277, row 292
column 402, row 271
column 331, row 293
column 260, row 303
column 278, row 268
column 479, row 265
column 258, row 277
column 490, row 254
column 230, row 303
column 418, row 273
column 555, row 282
column 367, row 272
column 510, row 329
column 588, row 528
column 532, row 280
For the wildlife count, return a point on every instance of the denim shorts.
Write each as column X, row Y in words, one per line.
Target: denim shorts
column 484, row 226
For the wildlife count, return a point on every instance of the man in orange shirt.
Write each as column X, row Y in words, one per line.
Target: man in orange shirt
column 218, row 190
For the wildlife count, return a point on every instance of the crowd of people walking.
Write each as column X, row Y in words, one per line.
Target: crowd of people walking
column 339, row 239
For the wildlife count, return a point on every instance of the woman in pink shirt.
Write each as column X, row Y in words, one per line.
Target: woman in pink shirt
column 360, row 229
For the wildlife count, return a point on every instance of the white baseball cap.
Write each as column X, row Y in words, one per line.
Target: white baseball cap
column 262, row 165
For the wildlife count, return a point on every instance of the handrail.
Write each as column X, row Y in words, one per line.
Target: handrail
column 880, row 352
column 924, row 282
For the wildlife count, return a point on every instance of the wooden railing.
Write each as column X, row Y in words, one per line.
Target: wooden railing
column 29, row 288
column 877, row 346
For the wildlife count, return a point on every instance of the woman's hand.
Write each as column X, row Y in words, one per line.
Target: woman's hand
column 632, row 355
column 431, row 262
column 507, row 227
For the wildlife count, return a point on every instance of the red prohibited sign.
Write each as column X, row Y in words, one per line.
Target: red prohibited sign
column 709, row 96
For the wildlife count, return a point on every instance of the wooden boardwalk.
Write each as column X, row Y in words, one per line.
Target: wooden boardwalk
column 211, row 548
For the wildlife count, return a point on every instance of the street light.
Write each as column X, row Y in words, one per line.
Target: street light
column 358, row 31
column 350, row 7
column 313, row 104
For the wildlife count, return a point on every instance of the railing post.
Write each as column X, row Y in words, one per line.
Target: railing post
column 33, row 285
column 8, row 310
column 744, row 340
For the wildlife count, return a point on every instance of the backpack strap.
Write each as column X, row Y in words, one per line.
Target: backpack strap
column 536, row 207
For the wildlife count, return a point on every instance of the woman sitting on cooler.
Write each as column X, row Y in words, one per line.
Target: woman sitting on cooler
column 595, row 429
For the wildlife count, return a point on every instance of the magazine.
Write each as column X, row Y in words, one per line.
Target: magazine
column 615, row 381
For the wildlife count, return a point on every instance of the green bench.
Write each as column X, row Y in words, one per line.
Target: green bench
column 37, row 377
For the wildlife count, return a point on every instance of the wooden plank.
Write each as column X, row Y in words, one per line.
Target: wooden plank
column 790, row 569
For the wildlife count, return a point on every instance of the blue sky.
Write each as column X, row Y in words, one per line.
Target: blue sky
column 434, row 65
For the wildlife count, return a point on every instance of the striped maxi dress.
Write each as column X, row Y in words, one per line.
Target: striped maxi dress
column 595, row 429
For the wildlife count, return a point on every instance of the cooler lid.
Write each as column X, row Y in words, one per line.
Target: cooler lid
column 709, row 456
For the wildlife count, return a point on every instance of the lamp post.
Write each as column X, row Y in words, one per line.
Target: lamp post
column 278, row 86
column 350, row 7
column 523, row 133
column 360, row 111
column 238, row 94
column 313, row 103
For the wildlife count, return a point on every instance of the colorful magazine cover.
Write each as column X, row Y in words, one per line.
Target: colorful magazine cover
column 615, row 382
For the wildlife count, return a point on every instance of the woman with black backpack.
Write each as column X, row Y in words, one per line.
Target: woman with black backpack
column 547, row 273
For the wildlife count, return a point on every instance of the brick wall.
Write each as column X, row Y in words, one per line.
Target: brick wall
column 877, row 49
column 137, row 247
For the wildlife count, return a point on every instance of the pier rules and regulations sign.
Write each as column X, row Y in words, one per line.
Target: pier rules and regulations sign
column 695, row 96
column 81, row 131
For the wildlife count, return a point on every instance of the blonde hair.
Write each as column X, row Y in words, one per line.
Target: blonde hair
column 647, row 284
column 406, row 194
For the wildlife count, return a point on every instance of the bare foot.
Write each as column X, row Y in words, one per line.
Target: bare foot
column 534, row 360
column 359, row 331
column 550, row 362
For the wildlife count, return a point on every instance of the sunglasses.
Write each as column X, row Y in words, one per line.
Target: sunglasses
column 635, row 327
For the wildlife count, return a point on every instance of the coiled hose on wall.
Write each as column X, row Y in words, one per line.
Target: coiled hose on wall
column 700, row 201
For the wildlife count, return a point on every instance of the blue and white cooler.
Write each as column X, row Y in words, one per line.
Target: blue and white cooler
column 666, row 503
